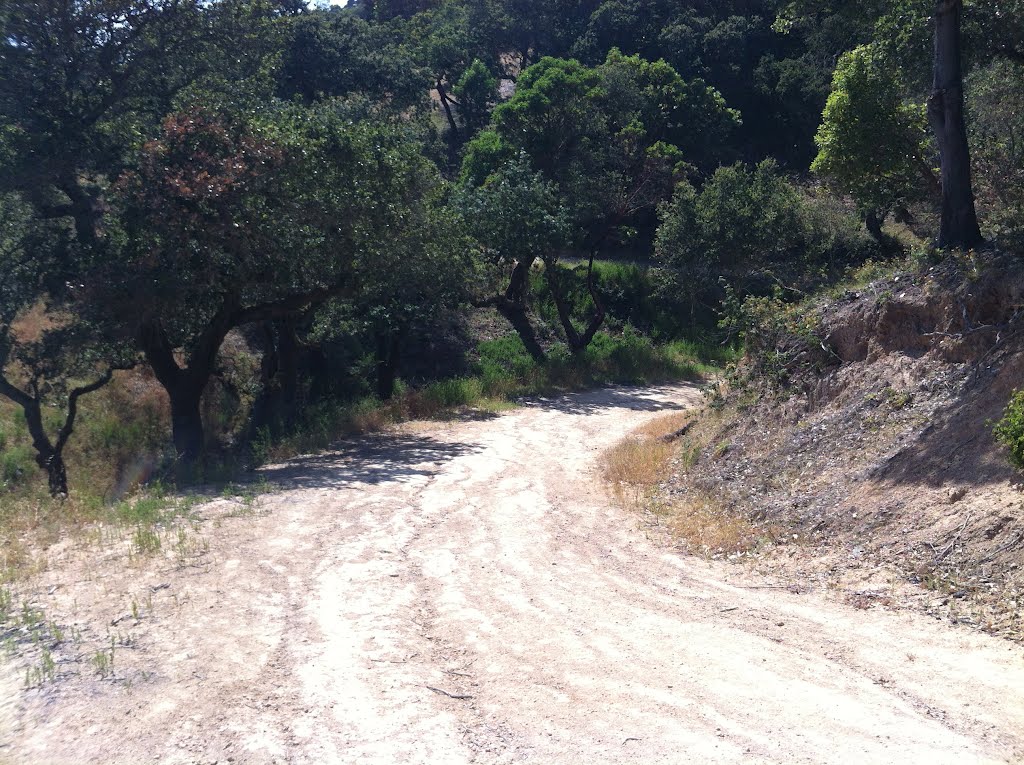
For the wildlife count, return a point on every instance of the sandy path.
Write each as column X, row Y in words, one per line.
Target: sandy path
column 465, row 593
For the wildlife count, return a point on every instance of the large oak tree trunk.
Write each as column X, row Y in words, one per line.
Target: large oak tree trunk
column 186, row 420
column 184, row 385
column 959, row 223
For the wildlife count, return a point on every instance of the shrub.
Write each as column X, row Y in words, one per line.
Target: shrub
column 1009, row 431
column 754, row 229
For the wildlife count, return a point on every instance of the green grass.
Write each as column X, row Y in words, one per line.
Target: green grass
column 503, row 372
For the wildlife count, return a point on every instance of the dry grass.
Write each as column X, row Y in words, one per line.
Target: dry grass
column 635, row 466
column 710, row 528
column 638, row 466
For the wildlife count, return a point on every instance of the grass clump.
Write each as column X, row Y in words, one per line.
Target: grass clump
column 637, row 469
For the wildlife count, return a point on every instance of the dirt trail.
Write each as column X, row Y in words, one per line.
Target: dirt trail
column 466, row 593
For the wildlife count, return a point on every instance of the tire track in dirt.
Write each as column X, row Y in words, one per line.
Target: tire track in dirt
column 465, row 593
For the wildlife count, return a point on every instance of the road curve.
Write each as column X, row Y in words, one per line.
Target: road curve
column 466, row 593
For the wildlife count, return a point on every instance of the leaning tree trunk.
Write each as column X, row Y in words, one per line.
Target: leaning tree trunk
column 959, row 223
column 513, row 307
column 516, row 315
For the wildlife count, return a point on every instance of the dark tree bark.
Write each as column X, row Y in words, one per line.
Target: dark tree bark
column 959, row 222
column 50, row 454
column 282, row 359
column 873, row 223
column 185, row 385
column 446, row 102
column 577, row 341
column 513, row 307
column 388, row 347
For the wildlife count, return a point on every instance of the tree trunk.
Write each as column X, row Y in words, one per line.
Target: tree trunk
column 516, row 315
column 873, row 222
column 47, row 457
column 57, row 476
column 959, row 224
column 184, row 386
column 50, row 455
column 387, row 364
column 187, row 421
column 512, row 306
column 446, row 103
column 578, row 342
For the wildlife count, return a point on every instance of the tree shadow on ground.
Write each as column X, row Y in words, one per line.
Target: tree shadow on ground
column 594, row 401
column 373, row 459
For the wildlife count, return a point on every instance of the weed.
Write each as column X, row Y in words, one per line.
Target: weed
column 6, row 602
column 1009, row 431
column 43, row 672
column 898, row 399
column 103, row 661
column 634, row 467
column 145, row 541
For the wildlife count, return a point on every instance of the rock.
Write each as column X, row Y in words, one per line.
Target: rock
column 955, row 494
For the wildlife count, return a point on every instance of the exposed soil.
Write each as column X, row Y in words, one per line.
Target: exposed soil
column 466, row 592
column 883, row 463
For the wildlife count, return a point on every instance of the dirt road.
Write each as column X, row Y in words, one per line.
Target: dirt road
column 457, row 593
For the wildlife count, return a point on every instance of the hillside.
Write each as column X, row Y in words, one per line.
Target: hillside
column 868, row 457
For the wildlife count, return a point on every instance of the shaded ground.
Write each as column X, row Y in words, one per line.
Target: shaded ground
column 466, row 593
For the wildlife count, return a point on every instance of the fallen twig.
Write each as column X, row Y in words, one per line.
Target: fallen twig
column 456, row 696
column 675, row 435
column 951, row 545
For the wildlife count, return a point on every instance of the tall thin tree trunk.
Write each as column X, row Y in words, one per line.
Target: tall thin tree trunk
column 447, row 104
column 959, row 223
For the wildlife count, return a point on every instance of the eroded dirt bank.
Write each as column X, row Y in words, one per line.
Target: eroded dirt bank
column 466, row 593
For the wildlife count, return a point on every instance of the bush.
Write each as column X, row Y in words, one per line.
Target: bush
column 1009, row 431
column 753, row 228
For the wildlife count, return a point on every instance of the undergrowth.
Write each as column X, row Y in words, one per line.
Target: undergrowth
column 502, row 372
column 119, row 446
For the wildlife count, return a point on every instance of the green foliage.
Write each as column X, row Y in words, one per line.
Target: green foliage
column 996, row 131
column 515, row 214
column 690, row 116
column 331, row 54
column 872, row 142
column 778, row 338
column 1009, row 431
column 477, row 91
column 751, row 226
